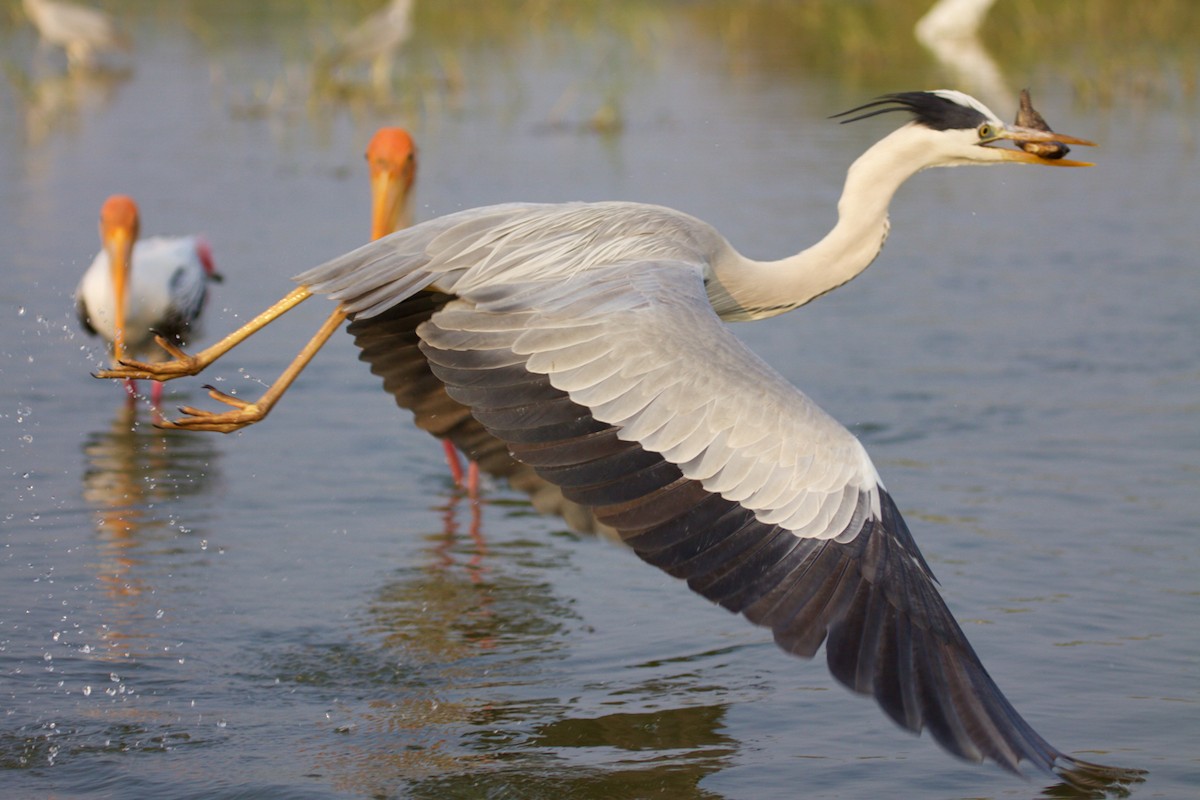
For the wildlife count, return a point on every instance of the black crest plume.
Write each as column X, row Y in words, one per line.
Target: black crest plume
column 927, row 108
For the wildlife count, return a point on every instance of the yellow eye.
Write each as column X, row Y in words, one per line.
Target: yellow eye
column 986, row 131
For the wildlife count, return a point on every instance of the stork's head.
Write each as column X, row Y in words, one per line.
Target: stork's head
column 392, row 159
column 958, row 129
column 119, row 226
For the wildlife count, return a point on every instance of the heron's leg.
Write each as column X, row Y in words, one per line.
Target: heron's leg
column 248, row 413
column 182, row 364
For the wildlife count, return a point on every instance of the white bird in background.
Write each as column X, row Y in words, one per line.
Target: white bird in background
column 952, row 19
column 375, row 40
column 586, row 340
column 950, row 31
column 137, row 288
column 81, row 31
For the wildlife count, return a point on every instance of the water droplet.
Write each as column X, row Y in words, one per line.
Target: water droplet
column 21, row 311
column 221, row 723
column 158, row 614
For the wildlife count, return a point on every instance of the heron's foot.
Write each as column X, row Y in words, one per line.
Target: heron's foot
column 197, row 419
column 181, row 365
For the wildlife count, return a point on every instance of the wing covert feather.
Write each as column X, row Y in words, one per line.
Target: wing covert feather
column 658, row 345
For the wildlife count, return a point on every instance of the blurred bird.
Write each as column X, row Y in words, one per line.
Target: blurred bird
column 392, row 163
column 950, row 31
column 391, row 160
column 136, row 289
column 392, row 166
column 81, row 31
column 952, row 19
column 375, row 40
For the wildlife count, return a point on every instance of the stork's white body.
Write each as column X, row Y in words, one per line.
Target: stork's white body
column 168, row 285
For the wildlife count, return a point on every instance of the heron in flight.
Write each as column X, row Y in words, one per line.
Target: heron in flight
column 138, row 289
column 585, row 340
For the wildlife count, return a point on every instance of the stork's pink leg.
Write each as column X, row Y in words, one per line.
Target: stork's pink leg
column 452, row 461
column 156, row 394
column 472, row 479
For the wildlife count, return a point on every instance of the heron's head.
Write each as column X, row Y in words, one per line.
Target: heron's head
column 957, row 129
column 392, row 160
column 119, row 226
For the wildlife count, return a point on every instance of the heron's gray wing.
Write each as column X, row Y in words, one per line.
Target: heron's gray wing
column 627, row 391
column 388, row 342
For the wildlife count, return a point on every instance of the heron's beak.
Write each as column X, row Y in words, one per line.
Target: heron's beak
column 1021, row 135
column 118, row 242
column 389, row 201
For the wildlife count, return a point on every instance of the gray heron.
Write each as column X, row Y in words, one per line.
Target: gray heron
column 137, row 289
column 585, row 341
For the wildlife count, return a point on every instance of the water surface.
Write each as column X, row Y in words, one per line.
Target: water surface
column 309, row 608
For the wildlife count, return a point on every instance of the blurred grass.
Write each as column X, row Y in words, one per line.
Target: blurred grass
column 1107, row 51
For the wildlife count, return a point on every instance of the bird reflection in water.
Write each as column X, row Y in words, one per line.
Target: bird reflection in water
column 133, row 470
column 54, row 103
column 461, row 617
column 456, row 668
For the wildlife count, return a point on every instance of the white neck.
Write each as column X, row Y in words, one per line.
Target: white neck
column 748, row 289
